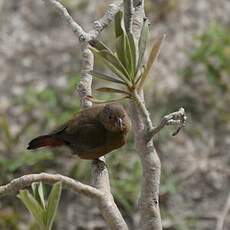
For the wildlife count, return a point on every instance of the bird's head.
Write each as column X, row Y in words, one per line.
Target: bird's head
column 114, row 118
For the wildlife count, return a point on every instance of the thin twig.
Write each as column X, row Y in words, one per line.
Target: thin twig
column 175, row 118
column 143, row 110
column 103, row 22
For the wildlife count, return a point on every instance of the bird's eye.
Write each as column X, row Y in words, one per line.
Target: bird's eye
column 110, row 117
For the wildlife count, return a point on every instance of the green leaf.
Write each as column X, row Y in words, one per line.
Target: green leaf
column 133, row 50
column 116, row 71
column 126, row 53
column 118, row 24
column 106, row 77
column 98, row 101
column 52, row 204
column 151, row 60
column 121, row 49
column 41, row 194
column 142, row 43
column 114, row 61
column 98, row 45
column 38, row 193
column 114, row 64
column 33, row 206
column 112, row 90
column 140, row 75
column 130, row 66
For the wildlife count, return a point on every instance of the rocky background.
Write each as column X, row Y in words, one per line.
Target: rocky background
column 40, row 62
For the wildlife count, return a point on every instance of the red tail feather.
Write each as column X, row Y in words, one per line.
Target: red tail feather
column 46, row 140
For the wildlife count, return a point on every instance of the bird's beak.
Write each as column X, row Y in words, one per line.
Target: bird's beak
column 119, row 123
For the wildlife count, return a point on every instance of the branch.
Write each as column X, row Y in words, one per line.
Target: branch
column 128, row 15
column 109, row 210
column 105, row 203
column 103, row 22
column 176, row 118
column 150, row 217
column 77, row 29
column 19, row 183
column 223, row 214
column 143, row 111
column 99, row 24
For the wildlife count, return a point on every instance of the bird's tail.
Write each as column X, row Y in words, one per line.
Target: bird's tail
column 46, row 140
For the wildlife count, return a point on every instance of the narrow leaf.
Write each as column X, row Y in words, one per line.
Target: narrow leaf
column 152, row 59
column 142, row 43
column 33, row 206
column 37, row 189
column 98, row 45
column 53, row 202
column 116, row 71
column 34, row 187
column 98, row 101
column 41, row 194
column 113, row 63
column 133, row 49
column 106, row 77
column 121, row 49
column 129, row 58
column 140, row 75
column 118, row 24
column 112, row 90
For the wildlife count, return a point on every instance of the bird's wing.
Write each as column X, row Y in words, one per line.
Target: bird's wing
column 84, row 136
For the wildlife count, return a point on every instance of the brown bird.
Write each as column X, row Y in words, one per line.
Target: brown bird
column 92, row 133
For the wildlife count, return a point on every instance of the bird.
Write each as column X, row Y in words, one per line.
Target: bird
column 91, row 133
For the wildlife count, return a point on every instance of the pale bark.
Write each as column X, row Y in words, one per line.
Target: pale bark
column 151, row 166
column 144, row 132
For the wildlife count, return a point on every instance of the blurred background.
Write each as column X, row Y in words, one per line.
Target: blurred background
column 40, row 63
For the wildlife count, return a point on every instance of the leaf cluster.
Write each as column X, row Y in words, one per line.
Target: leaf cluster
column 126, row 63
column 43, row 212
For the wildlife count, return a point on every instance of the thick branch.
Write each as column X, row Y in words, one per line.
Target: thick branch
column 20, row 183
column 100, row 179
column 151, row 166
column 150, row 181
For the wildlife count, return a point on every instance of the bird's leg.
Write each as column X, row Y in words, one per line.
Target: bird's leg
column 101, row 162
